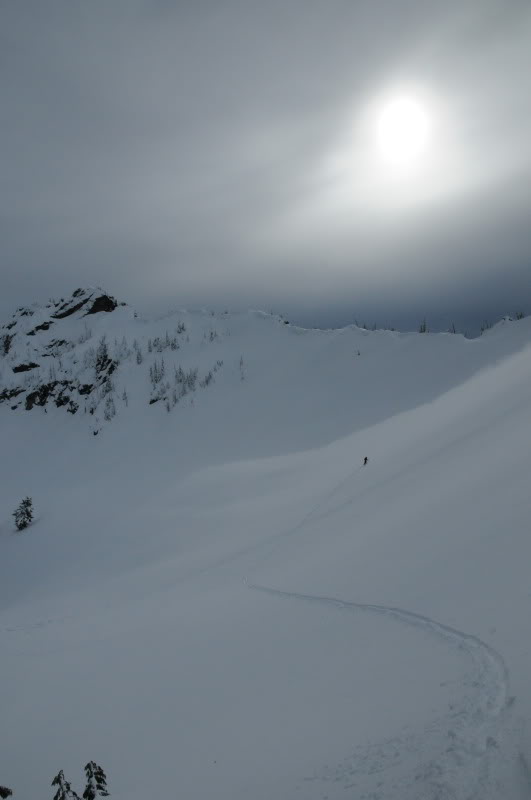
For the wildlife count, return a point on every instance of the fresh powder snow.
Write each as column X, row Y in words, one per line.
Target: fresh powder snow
column 216, row 598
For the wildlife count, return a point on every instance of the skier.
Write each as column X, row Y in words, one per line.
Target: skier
column 365, row 461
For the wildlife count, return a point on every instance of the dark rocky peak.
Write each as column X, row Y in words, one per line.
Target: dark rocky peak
column 90, row 301
column 30, row 320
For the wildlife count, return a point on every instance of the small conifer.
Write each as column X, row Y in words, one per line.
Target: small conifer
column 96, row 782
column 64, row 790
column 23, row 514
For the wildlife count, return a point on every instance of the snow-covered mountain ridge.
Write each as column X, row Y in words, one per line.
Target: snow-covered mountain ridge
column 93, row 356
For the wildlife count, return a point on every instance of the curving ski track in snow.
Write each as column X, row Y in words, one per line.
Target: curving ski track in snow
column 453, row 757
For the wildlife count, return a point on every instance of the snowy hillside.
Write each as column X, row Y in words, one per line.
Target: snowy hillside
column 216, row 599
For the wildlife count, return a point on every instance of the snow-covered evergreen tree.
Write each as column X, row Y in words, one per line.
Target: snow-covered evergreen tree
column 96, row 782
column 23, row 513
column 102, row 356
column 109, row 410
column 64, row 790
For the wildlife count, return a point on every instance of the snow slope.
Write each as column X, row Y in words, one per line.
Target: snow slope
column 221, row 601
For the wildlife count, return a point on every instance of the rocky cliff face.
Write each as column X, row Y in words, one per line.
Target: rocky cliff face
column 89, row 353
column 40, row 357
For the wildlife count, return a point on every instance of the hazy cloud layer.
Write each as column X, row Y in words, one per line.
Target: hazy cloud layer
column 221, row 153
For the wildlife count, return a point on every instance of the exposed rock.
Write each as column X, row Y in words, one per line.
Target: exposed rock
column 67, row 311
column 5, row 342
column 44, row 327
column 54, row 390
column 40, row 396
column 56, row 344
column 25, row 367
column 103, row 303
column 8, row 394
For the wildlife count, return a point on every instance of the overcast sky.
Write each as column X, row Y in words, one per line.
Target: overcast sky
column 225, row 153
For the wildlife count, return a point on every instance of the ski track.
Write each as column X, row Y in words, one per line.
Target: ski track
column 453, row 757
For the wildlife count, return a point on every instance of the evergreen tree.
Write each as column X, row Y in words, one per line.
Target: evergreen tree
column 64, row 790
column 23, row 513
column 5, row 792
column 110, row 409
column 102, row 355
column 96, row 782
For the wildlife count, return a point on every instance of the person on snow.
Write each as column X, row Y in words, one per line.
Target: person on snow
column 365, row 461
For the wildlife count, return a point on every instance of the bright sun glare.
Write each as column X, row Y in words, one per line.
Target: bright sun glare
column 403, row 128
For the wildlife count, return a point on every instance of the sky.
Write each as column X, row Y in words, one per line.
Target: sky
column 229, row 155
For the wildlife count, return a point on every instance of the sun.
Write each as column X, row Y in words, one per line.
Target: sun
column 402, row 130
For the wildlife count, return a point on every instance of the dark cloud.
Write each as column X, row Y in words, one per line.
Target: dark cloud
column 180, row 149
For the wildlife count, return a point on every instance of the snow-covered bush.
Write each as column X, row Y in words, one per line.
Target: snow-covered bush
column 157, row 372
column 109, row 410
column 107, row 387
column 86, row 335
column 122, row 350
column 23, row 514
column 102, row 356
column 89, row 358
column 186, row 380
column 209, row 377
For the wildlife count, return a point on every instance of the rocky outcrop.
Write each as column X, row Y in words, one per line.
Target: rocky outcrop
column 58, row 392
column 25, row 367
column 67, row 310
column 57, row 369
column 9, row 394
column 103, row 303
